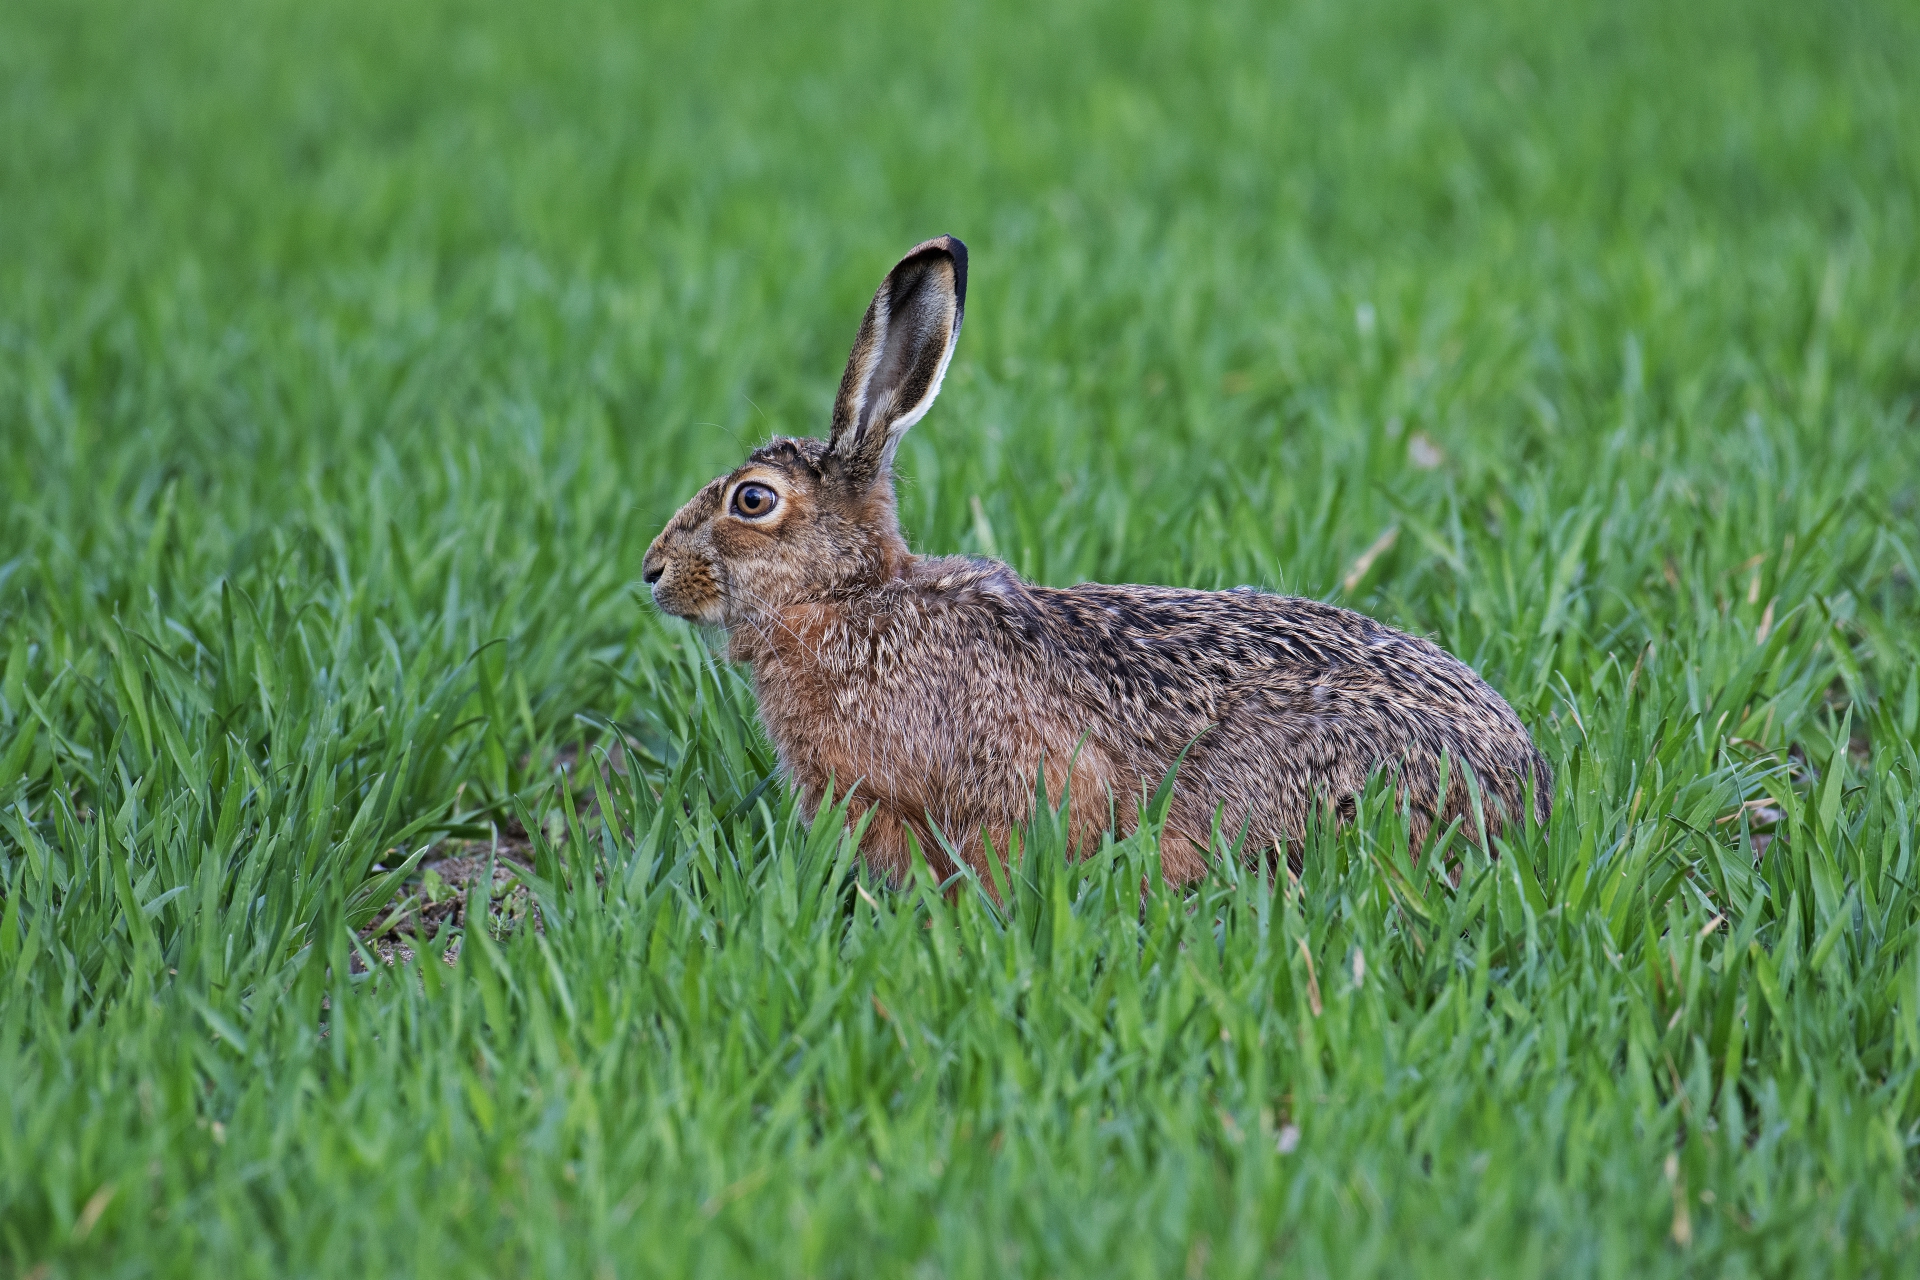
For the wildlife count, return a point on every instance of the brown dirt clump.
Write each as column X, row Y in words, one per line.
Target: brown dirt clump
column 437, row 894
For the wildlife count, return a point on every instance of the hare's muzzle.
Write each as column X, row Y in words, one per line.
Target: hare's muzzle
column 682, row 582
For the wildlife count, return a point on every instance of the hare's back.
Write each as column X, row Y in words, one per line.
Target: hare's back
column 1202, row 654
column 1284, row 698
column 1240, row 635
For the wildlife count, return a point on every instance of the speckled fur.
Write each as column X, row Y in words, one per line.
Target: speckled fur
column 938, row 687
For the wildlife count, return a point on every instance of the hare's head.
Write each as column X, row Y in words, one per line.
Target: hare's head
column 807, row 517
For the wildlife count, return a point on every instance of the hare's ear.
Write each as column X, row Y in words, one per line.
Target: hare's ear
column 899, row 358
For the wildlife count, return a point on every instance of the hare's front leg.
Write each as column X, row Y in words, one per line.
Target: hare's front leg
column 1183, row 859
column 884, row 843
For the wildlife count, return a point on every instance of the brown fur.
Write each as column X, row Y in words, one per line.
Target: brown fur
column 938, row 687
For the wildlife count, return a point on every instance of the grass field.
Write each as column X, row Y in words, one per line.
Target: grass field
column 350, row 355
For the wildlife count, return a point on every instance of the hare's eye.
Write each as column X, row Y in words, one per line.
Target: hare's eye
column 754, row 500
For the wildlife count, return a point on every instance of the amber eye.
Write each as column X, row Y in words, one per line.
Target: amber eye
column 754, row 500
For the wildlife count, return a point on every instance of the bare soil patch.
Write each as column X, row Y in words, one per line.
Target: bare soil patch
column 439, row 893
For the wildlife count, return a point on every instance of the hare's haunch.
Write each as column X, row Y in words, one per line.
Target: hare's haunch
column 936, row 688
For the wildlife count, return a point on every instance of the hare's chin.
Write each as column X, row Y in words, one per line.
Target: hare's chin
column 705, row 612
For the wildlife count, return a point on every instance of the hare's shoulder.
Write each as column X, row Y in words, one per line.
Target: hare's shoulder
column 963, row 580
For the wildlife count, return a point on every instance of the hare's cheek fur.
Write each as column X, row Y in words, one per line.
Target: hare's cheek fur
column 764, row 569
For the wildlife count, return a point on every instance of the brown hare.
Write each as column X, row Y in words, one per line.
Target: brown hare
column 937, row 687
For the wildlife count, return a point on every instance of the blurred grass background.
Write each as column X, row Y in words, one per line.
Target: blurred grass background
column 351, row 354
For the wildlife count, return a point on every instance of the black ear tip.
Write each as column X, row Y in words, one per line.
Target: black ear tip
column 954, row 248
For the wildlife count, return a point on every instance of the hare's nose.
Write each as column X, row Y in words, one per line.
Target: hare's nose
column 652, row 567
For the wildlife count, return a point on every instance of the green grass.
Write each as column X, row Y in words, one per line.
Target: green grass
column 351, row 353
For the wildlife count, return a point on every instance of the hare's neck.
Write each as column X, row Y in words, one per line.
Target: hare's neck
column 885, row 555
column 783, row 642
column 803, row 667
